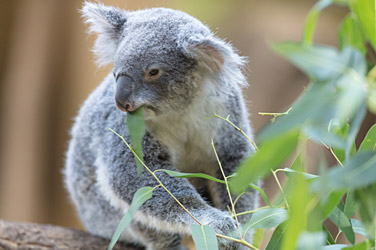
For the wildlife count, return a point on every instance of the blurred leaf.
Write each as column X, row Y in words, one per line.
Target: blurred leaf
column 189, row 175
column 350, row 206
column 298, row 202
column 322, row 136
column 275, row 241
column 329, row 237
column 343, row 223
column 350, row 34
column 136, row 128
column 358, row 227
column 323, row 63
column 139, row 198
column 334, row 247
column 333, row 199
column 297, row 165
column 358, row 172
column 262, row 193
column 361, row 246
column 365, row 11
column 267, row 218
column 307, row 176
column 351, row 99
column 310, row 23
column 204, row 237
column 260, row 163
column 258, row 237
column 369, row 141
column 306, row 110
column 365, row 199
column 341, row 131
column 311, row 241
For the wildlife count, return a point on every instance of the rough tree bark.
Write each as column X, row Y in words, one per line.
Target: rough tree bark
column 31, row 236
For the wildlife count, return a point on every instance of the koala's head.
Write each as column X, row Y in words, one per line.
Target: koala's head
column 161, row 56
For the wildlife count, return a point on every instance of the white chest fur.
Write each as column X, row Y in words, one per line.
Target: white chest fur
column 188, row 136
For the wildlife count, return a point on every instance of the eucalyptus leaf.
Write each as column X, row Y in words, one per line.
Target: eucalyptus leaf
column 343, row 223
column 275, row 241
column 310, row 23
column 139, row 198
column 358, row 172
column 358, row 227
column 350, row 34
column 298, row 200
column 190, row 175
column 204, row 237
column 260, row 163
column 136, row 128
column 369, row 142
column 267, row 218
column 307, row 176
column 350, row 205
column 311, row 241
column 365, row 12
column 334, row 247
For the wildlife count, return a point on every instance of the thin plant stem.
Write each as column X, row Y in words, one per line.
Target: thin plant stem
column 280, row 188
column 237, row 128
column 252, row 211
column 152, row 173
column 241, row 241
column 227, row 186
column 336, row 238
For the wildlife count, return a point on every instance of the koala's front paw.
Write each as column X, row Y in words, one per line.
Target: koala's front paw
column 224, row 224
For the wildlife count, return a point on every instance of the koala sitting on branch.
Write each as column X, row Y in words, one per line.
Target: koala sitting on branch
column 172, row 65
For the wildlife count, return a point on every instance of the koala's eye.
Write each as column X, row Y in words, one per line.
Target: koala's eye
column 153, row 72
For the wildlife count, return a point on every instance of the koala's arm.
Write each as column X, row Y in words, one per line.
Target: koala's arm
column 161, row 211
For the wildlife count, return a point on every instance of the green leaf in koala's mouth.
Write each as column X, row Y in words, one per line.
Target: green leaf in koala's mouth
column 136, row 129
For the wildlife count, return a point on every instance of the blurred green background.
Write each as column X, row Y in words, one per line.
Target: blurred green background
column 47, row 71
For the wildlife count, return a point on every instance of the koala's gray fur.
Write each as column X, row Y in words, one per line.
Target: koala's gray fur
column 197, row 75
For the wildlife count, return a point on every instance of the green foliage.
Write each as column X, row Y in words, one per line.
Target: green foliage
column 204, row 237
column 329, row 112
column 136, row 128
column 139, row 198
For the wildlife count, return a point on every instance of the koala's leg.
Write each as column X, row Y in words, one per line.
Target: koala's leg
column 119, row 181
column 156, row 240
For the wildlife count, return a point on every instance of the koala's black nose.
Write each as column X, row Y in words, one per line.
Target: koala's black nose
column 124, row 95
column 126, row 106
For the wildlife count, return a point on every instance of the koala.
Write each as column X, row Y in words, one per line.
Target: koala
column 174, row 67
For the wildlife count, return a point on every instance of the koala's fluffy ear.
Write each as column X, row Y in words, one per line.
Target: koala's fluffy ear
column 107, row 22
column 210, row 52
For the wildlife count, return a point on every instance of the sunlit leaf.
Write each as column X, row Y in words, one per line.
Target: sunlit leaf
column 369, row 142
column 350, row 34
column 136, row 128
column 139, row 198
column 365, row 11
column 298, row 201
column 204, row 237
column 260, row 163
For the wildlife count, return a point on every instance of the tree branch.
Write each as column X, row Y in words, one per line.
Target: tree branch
column 25, row 236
